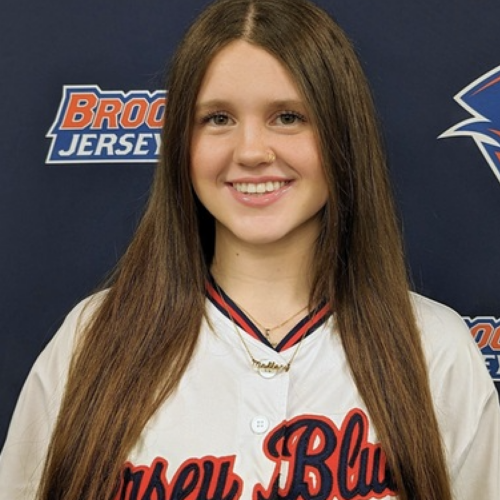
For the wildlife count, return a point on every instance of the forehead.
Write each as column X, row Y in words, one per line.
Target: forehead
column 245, row 71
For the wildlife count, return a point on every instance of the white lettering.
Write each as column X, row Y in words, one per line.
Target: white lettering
column 492, row 362
column 106, row 141
column 126, row 141
column 86, row 142
column 141, row 141
column 72, row 146
column 108, row 145
column 158, row 143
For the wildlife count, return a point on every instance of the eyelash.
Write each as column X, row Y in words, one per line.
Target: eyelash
column 210, row 116
column 295, row 114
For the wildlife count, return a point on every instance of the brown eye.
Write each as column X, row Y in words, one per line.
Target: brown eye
column 217, row 119
column 220, row 119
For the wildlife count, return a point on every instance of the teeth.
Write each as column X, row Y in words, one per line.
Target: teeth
column 260, row 188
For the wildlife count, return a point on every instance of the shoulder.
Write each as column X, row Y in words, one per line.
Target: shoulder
column 55, row 358
column 463, row 391
column 443, row 331
column 84, row 311
column 455, row 363
column 21, row 459
column 433, row 317
column 465, row 399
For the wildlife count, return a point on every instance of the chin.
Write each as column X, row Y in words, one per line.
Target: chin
column 264, row 239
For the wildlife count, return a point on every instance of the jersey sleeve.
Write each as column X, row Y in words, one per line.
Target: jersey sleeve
column 23, row 455
column 478, row 475
column 466, row 403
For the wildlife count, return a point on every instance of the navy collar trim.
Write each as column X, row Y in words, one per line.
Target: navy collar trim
column 305, row 327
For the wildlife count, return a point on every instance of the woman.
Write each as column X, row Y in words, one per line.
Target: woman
column 258, row 340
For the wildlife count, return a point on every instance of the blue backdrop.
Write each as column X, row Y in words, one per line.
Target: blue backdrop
column 63, row 226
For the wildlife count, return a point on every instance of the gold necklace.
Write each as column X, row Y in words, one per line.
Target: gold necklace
column 267, row 331
column 266, row 368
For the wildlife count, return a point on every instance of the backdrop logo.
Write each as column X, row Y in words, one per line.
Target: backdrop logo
column 486, row 333
column 482, row 100
column 101, row 126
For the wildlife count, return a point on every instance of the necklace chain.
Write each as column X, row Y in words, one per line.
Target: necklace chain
column 267, row 331
column 262, row 366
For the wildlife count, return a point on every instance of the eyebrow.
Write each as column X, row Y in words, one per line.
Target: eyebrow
column 278, row 103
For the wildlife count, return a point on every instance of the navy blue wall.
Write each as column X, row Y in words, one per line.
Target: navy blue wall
column 62, row 227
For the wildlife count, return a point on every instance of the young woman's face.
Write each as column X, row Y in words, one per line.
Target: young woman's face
column 255, row 161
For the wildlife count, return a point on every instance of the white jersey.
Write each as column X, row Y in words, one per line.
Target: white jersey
column 233, row 432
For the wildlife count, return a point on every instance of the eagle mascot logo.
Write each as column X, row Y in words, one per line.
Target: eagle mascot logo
column 482, row 100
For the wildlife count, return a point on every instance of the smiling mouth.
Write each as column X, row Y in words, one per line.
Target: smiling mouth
column 259, row 188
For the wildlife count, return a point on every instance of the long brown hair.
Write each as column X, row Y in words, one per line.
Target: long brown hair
column 139, row 343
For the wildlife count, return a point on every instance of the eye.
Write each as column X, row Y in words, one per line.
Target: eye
column 290, row 118
column 217, row 119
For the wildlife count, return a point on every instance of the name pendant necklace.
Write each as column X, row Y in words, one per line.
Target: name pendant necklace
column 266, row 368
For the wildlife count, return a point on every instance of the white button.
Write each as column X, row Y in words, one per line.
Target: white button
column 259, row 424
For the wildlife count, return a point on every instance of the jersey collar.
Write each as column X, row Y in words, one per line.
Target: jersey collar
column 307, row 325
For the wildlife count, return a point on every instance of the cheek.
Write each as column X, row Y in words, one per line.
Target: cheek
column 206, row 160
column 305, row 151
column 200, row 163
column 312, row 164
column 194, row 153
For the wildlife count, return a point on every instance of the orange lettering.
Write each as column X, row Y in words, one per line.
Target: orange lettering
column 108, row 109
column 156, row 112
column 495, row 341
column 134, row 113
column 482, row 333
column 80, row 112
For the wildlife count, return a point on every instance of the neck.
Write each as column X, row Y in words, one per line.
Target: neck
column 270, row 281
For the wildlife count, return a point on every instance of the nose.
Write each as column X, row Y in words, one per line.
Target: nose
column 251, row 147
